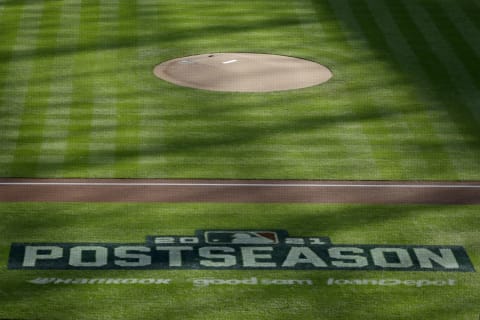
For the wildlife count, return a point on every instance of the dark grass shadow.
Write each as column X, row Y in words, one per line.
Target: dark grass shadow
column 433, row 77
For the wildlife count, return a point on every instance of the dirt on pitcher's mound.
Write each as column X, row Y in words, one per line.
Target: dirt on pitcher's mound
column 242, row 72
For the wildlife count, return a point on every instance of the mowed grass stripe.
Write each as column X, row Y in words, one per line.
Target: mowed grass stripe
column 57, row 115
column 85, row 67
column 128, row 92
column 106, row 115
column 2, row 10
column 240, row 129
column 314, row 33
column 104, row 118
column 472, row 10
column 397, row 146
column 468, row 29
column 462, row 47
column 447, row 135
column 150, row 110
column 390, row 136
column 17, row 80
column 393, row 166
column 443, row 86
column 456, row 69
column 9, row 28
column 424, row 148
column 446, row 88
column 38, row 95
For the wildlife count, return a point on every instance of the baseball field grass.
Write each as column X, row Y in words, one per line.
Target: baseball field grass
column 78, row 97
column 184, row 297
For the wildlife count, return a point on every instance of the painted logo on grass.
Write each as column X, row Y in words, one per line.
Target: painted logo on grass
column 238, row 249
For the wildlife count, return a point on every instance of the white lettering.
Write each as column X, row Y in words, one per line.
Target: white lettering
column 250, row 256
column 163, row 281
column 164, row 240
column 205, row 282
column 208, row 253
column 140, row 259
column 295, row 241
column 100, row 256
column 33, row 253
column 389, row 282
column 189, row 240
column 402, row 255
column 174, row 255
column 316, row 241
column 392, row 282
column 446, row 258
column 286, row 282
column 303, row 255
column 65, row 281
column 339, row 253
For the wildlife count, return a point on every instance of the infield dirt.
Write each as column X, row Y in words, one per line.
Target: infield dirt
column 238, row 191
column 243, row 72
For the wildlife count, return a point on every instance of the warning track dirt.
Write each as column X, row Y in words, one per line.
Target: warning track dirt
column 240, row 191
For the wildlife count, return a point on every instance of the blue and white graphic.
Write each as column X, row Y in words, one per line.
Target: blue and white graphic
column 239, row 249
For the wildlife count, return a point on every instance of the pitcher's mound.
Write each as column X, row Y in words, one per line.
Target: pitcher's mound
column 242, row 72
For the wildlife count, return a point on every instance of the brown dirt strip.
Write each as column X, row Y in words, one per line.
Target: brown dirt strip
column 239, row 191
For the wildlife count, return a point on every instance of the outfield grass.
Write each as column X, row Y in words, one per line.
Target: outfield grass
column 78, row 97
column 344, row 224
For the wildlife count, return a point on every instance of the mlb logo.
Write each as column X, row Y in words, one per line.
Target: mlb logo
column 241, row 237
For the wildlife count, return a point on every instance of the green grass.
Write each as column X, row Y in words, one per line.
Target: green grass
column 78, row 98
column 344, row 224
